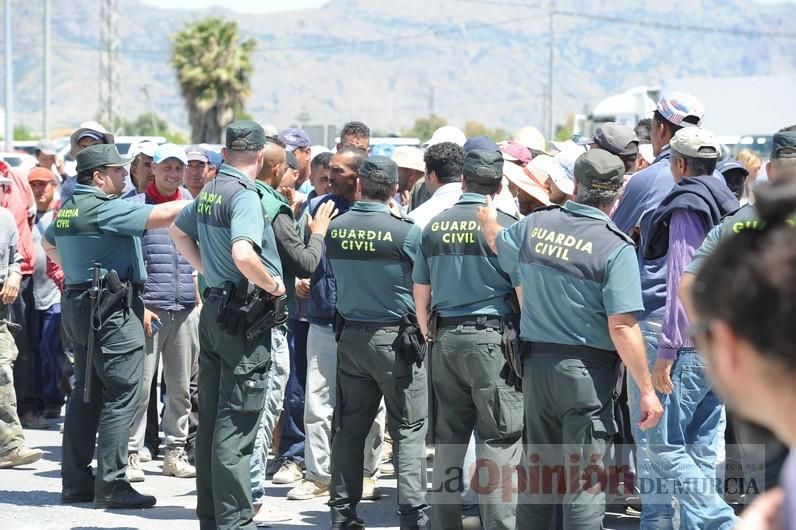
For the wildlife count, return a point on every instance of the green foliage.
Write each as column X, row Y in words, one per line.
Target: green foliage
column 425, row 127
column 475, row 128
column 23, row 133
column 214, row 68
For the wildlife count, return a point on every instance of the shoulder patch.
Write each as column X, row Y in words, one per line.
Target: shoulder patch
column 626, row 238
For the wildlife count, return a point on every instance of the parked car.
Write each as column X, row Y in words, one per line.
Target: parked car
column 18, row 160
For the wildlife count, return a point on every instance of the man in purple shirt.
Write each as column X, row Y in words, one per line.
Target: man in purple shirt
column 685, row 440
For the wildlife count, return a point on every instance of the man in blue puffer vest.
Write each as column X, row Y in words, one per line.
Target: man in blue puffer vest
column 171, row 322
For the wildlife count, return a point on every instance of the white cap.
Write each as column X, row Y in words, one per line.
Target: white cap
column 144, row 147
column 89, row 128
column 531, row 138
column 166, row 151
column 696, row 143
column 447, row 133
column 315, row 150
column 409, row 157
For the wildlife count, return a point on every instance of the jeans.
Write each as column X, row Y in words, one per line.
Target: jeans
column 52, row 359
column 319, row 403
column 655, row 514
column 275, row 393
column 291, row 444
column 177, row 344
column 685, row 443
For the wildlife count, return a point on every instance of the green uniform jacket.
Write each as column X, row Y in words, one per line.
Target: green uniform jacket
column 371, row 253
column 92, row 227
column 576, row 268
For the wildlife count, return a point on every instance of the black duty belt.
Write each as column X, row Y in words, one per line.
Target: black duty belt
column 361, row 324
column 215, row 293
column 607, row 357
column 484, row 321
column 138, row 288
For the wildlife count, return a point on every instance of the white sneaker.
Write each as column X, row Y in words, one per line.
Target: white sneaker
column 134, row 472
column 268, row 515
column 288, row 473
column 370, row 491
column 144, row 455
column 176, row 464
column 308, row 489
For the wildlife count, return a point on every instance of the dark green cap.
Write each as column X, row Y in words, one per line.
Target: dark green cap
column 599, row 170
column 483, row 164
column 379, row 169
column 245, row 135
column 100, row 155
column 784, row 145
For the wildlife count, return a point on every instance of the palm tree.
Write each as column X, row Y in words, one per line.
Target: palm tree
column 214, row 70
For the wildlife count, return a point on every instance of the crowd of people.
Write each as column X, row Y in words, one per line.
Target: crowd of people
column 557, row 325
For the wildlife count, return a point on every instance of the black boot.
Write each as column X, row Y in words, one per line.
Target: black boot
column 124, row 497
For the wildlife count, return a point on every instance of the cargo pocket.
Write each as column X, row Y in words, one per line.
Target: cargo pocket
column 248, row 393
column 414, row 398
column 603, row 431
column 501, row 411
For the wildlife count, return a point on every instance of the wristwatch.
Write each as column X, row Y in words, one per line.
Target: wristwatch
column 279, row 285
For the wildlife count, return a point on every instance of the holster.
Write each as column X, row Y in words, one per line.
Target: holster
column 511, row 345
column 337, row 327
column 246, row 308
column 433, row 326
column 113, row 296
column 272, row 312
column 229, row 317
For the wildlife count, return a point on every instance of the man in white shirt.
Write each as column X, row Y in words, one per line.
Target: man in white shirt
column 444, row 163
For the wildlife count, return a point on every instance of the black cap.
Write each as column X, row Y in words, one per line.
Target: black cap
column 290, row 160
column 600, row 170
column 480, row 142
column 100, row 155
column 784, row 145
column 483, row 164
column 245, row 135
column 379, row 169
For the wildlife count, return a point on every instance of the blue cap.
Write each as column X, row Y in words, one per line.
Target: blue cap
column 480, row 142
column 214, row 158
column 166, row 151
column 730, row 165
column 295, row 138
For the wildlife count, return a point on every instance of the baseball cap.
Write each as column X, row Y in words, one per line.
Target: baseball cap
column 290, row 160
column 523, row 180
column 483, row 164
column 315, row 150
column 531, row 138
column 89, row 128
column 555, row 171
column 214, row 157
column 515, row 152
column 46, row 147
column 196, row 152
column 166, row 151
column 784, row 145
column 294, row 138
column 447, row 133
column 616, row 139
column 100, row 155
column 695, row 143
column 409, row 157
column 245, row 135
column 677, row 106
column 41, row 174
column 144, row 147
column 725, row 166
column 483, row 143
column 600, row 170
column 379, row 169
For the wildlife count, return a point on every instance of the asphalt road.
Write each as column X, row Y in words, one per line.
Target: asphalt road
column 29, row 499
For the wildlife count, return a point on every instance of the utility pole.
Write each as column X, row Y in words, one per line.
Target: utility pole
column 9, row 80
column 109, row 62
column 431, row 102
column 45, row 125
column 550, row 67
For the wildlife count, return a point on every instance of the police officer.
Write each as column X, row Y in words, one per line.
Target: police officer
column 579, row 274
column 371, row 253
column 94, row 226
column 224, row 234
column 458, row 276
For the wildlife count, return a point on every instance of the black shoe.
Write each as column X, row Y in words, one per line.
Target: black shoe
column 356, row 523
column 124, row 498
column 83, row 492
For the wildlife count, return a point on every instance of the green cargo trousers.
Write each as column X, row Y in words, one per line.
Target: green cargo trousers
column 569, row 425
column 367, row 369
column 11, row 435
column 233, row 374
column 466, row 363
column 116, row 385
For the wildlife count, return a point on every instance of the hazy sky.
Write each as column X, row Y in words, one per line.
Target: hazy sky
column 270, row 6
